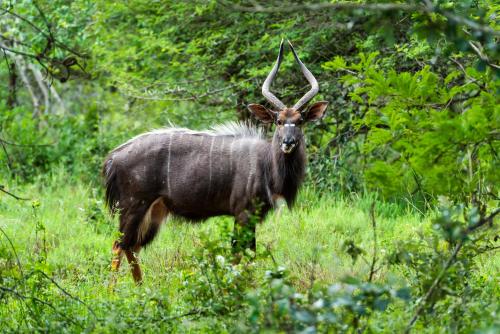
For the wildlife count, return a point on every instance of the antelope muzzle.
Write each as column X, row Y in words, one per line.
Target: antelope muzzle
column 289, row 141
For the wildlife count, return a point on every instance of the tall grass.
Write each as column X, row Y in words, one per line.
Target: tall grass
column 65, row 231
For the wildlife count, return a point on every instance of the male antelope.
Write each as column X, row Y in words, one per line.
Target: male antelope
column 228, row 170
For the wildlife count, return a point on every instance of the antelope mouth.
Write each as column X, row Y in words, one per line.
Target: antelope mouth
column 287, row 148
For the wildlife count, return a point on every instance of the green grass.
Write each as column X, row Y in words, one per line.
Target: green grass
column 79, row 234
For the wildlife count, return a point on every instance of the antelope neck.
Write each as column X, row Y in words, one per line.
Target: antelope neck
column 288, row 170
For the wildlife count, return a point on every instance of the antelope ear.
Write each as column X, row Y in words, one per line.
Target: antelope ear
column 316, row 111
column 261, row 113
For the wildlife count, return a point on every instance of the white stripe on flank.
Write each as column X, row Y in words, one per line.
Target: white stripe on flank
column 210, row 165
column 198, row 154
column 231, row 157
column 222, row 165
column 238, row 152
column 168, row 163
column 253, row 166
column 222, row 153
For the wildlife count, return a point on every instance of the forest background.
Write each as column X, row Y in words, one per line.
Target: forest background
column 398, row 213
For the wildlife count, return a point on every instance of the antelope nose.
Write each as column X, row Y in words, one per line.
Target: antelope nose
column 289, row 141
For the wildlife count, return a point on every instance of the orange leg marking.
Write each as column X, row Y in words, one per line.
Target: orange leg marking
column 115, row 263
column 117, row 257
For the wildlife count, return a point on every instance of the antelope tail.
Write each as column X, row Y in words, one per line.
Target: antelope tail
column 111, row 184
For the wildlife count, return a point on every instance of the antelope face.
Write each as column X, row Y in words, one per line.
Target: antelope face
column 288, row 130
column 289, row 120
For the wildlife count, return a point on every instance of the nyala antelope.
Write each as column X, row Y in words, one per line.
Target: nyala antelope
column 228, row 170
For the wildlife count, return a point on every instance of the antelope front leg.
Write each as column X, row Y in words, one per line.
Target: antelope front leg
column 279, row 204
column 243, row 235
column 134, row 265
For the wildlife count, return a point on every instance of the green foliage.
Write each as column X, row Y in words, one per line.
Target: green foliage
column 445, row 259
column 422, row 134
column 413, row 115
column 412, row 110
column 54, row 274
column 339, row 308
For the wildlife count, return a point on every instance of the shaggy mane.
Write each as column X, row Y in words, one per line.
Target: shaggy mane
column 232, row 129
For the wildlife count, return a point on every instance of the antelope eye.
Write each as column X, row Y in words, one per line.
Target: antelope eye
column 279, row 122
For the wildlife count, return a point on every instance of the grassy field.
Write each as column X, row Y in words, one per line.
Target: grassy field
column 67, row 233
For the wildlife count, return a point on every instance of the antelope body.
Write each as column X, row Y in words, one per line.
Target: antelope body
column 228, row 170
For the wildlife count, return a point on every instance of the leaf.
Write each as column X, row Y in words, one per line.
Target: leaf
column 381, row 304
column 404, row 293
column 304, row 316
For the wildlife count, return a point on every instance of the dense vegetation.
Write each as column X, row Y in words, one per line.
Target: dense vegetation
column 395, row 229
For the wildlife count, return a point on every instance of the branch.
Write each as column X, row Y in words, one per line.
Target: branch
column 483, row 221
column 344, row 5
column 193, row 96
column 374, row 227
column 477, row 49
column 467, row 76
column 48, row 36
column 67, row 293
column 3, row 141
column 38, row 300
column 451, row 260
column 465, row 21
column 427, row 8
column 2, row 189
column 21, row 53
column 422, row 302
column 13, row 249
column 194, row 311
column 10, row 12
column 9, row 161
column 13, row 41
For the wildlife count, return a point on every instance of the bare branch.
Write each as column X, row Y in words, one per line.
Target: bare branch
column 193, row 96
column 38, row 300
column 21, row 53
column 9, row 161
column 13, row 250
column 374, row 228
column 344, row 5
column 2, row 189
column 48, row 36
column 67, row 293
column 477, row 48
column 483, row 221
column 427, row 8
column 14, row 41
column 23, row 145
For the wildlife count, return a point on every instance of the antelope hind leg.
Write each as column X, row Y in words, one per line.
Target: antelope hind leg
column 147, row 230
column 134, row 265
column 115, row 263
